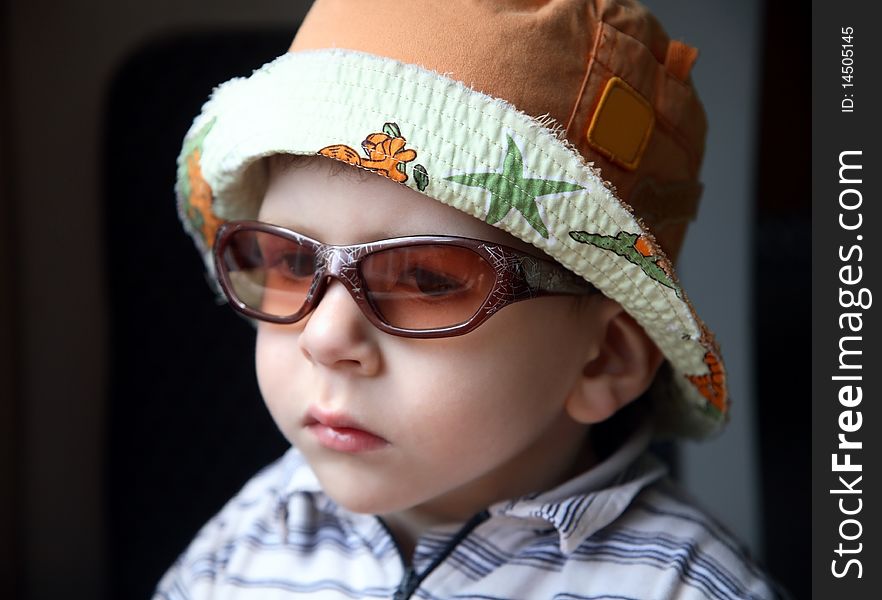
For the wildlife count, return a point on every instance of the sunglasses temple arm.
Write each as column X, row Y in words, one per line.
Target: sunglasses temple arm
column 545, row 277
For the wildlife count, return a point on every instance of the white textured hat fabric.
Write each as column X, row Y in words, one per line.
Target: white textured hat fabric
column 482, row 155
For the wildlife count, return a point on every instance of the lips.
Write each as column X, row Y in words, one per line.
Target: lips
column 337, row 431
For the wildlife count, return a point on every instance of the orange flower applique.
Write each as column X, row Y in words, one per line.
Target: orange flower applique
column 199, row 201
column 712, row 385
column 384, row 153
column 194, row 192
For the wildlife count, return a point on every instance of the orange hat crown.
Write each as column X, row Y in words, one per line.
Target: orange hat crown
column 604, row 71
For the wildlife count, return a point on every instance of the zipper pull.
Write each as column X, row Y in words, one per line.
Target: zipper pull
column 409, row 583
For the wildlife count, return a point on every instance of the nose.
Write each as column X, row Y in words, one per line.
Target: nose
column 337, row 335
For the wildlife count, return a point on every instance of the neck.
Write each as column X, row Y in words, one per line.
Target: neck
column 528, row 472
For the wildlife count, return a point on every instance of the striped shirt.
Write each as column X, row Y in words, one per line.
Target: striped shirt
column 619, row 531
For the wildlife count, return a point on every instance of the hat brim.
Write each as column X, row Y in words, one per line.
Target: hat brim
column 471, row 151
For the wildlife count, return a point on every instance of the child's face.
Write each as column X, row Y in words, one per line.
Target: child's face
column 457, row 423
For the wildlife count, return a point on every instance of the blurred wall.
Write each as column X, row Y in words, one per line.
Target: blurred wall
column 59, row 58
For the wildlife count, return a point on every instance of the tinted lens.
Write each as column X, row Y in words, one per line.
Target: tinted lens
column 427, row 287
column 269, row 273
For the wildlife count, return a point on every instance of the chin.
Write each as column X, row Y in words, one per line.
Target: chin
column 359, row 496
column 367, row 504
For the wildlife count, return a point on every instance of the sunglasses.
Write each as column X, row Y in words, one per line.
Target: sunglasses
column 422, row 286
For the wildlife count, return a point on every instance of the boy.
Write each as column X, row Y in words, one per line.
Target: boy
column 467, row 412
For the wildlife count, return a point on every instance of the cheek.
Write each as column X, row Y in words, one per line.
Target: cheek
column 535, row 346
column 276, row 366
column 264, row 362
column 502, row 379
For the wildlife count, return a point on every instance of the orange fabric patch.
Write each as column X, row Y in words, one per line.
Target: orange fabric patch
column 200, row 210
column 622, row 124
column 712, row 385
column 644, row 246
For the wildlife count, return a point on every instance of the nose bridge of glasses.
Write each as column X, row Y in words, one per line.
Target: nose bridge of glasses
column 338, row 262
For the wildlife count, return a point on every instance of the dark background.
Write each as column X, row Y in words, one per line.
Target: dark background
column 127, row 413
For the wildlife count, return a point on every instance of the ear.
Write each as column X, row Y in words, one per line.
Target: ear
column 622, row 368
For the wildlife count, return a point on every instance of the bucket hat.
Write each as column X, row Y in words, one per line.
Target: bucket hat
column 571, row 124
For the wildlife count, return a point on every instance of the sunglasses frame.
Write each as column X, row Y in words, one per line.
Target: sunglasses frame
column 519, row 276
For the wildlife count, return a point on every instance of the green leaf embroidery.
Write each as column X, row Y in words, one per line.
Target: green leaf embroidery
column 623, row 245
column 391, row 129
column 421, row 176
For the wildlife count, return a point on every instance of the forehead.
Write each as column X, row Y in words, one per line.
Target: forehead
column 337, row 203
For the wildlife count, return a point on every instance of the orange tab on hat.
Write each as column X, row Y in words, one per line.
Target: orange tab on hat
column 679, row 59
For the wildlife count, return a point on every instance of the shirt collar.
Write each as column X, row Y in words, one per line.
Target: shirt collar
column 585, row 504
column 297, row 478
